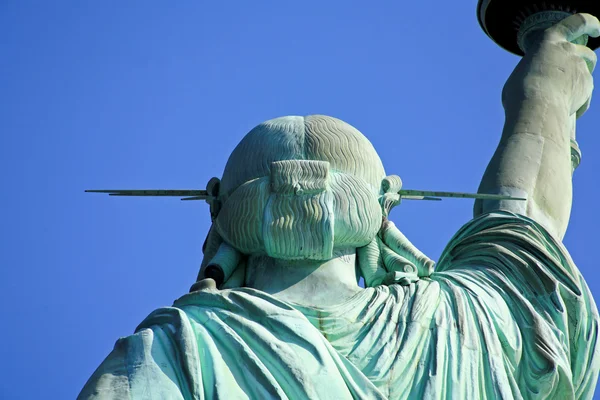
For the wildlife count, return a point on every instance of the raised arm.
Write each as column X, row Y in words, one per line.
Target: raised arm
column 549, row 89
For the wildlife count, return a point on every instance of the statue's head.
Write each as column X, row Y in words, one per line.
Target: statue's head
column 299, row 188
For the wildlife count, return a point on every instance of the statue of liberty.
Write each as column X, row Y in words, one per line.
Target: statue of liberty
column 301, row 214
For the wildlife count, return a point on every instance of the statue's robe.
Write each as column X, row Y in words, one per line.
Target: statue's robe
column 506, row 315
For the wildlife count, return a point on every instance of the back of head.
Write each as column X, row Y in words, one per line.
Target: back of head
column 297, row 188
column 314, row 137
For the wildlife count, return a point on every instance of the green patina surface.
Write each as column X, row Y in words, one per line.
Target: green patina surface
column 301, row 213
column 506, row 315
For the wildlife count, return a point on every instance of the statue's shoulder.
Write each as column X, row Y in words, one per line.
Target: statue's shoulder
column 200, row 307
column 494, row 228
column 197, row 340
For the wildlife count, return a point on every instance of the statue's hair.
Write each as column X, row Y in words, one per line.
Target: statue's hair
column 253, row 217
column 314, row 137
column 361, row 198
column 241, row 217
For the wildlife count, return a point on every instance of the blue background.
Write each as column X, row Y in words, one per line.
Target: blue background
column 149, row 94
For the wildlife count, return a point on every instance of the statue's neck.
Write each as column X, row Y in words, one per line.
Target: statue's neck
column 305, row 282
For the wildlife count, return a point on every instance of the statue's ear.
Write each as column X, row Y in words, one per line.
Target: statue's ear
column 390, row 186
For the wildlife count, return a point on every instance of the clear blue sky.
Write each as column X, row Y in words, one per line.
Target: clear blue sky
column 156, row 94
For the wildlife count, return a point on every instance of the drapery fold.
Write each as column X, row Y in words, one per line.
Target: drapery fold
column 506, row 315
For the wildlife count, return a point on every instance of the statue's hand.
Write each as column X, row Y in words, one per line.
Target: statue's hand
column 556, row 71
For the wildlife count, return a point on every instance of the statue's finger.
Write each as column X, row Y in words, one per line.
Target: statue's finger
column 371, row 263
column 575, row 26
column 400, row 245
column 588, row 55
column 583, row 108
